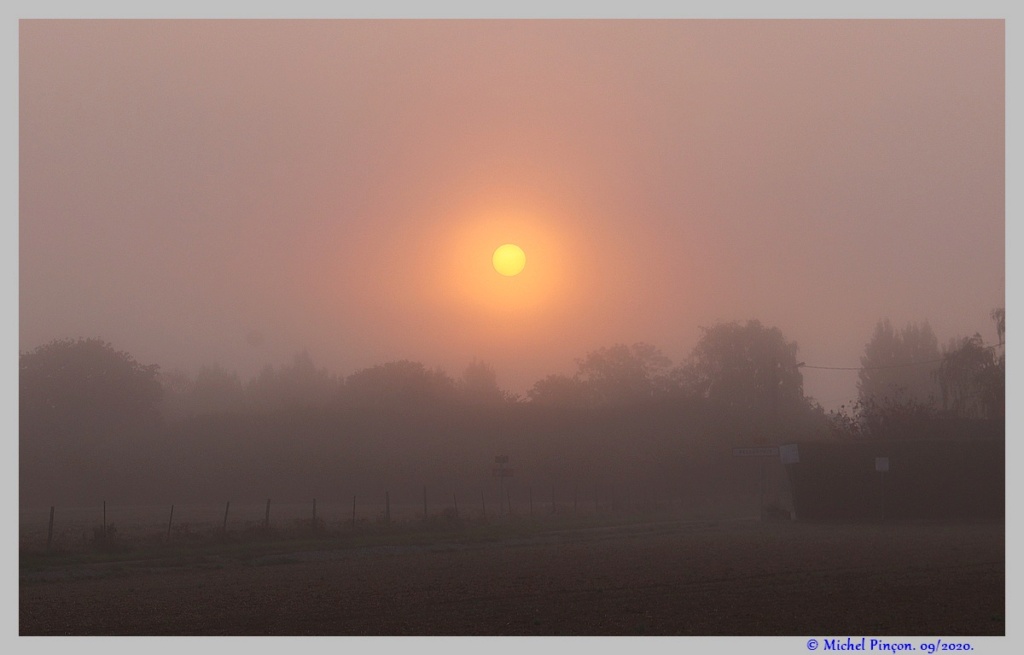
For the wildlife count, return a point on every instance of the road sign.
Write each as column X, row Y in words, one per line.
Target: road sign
column 756, row 451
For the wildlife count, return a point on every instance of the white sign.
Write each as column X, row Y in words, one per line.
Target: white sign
column 789, row 454
column 881, row 464
column 756, row 451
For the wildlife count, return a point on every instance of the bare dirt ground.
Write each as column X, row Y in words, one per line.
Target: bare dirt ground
column 665, row 578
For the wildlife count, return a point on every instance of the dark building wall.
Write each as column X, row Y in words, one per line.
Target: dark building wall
column 927, row 479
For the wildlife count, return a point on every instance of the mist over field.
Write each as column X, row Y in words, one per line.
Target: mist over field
column 556, row 300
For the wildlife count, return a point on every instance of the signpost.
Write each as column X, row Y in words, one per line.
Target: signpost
column 757, row 451
column 882, row 466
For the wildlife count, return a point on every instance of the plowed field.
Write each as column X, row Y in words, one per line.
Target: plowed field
column 665, row 578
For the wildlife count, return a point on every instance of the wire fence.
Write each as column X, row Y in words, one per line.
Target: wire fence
column 74, row 528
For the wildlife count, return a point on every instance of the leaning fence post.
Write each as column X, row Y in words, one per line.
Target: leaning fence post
column 49, row 533
column 169, row 521
column 226, row 508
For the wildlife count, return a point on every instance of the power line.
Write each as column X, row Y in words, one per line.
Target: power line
column 902, row 365
column 869, row 368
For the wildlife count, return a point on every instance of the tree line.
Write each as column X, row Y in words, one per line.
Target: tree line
column 907, row 383
column 86, row 385
column 91, row 415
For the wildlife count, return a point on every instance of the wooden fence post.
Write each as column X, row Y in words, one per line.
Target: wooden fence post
column 424, row 502
column 483, row 505
column 353, row 512
column 531, row 502
column 104, row 520
column 387, row 507
column 169, row 521
column 49, row 533
column 314, row 513
column 226, row 508
column 552, row 499
column 266, row 520
column 575, row 497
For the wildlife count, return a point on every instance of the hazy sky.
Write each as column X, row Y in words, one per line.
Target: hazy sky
column 235, row 192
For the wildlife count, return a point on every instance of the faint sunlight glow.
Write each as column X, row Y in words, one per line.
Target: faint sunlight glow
column 521, row 293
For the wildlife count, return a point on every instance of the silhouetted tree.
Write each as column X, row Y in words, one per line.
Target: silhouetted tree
column 176, row 388
column 214, row 390
column 479, row 385
column 972, row 376
column 399, row 384
column 623, row 374
column 83, row 389
column 746, row 367
column 296, row 385
column 892, row 416
column 899, row 365
column 217, row 390
column 89, row 415
column 616, row 375
column 559, row 391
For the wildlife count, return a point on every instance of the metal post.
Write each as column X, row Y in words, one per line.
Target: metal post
column 882, row 478
column 762, row 487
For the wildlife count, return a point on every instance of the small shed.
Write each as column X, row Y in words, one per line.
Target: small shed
column 865, row 480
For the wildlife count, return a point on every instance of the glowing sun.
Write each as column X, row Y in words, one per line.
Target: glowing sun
column 509, row 259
